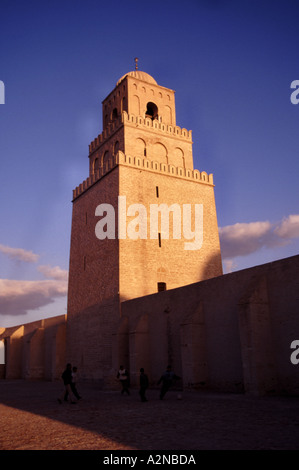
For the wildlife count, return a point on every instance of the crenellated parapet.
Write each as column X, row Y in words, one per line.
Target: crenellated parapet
column 143, row 164
column 107, row 132
column 143, row 122
column 155, row 124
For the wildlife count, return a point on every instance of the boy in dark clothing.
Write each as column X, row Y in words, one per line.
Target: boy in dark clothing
column 143, row 384
column 167, row 379
column 74, row 383
column 67, row 380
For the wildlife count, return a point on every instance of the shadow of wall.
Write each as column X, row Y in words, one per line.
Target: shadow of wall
column 229, row 333
column 90, row 341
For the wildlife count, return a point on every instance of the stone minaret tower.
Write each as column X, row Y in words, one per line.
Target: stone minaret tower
column 144, row 157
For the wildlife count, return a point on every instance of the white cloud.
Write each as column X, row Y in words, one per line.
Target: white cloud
column 289, row 227
column 17, row 297
column 19, row 254
column 53, row 272
column 242, row 239
column 230, row 265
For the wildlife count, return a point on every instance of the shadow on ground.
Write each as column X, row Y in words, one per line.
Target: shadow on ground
column 32, row 418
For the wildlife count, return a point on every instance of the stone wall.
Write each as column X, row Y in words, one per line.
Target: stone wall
column 230, row 333
column 90, row 336
column 143, row 263
column 100, row 269
column 35, row 350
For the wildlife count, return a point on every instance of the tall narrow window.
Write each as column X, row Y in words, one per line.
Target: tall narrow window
column 159, row 235
column 157, row 191
column 114, row 114
column 96, row 165
column 123, row 104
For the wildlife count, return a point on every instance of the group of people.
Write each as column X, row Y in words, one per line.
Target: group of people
column 166, row 378
column 71, row 394
column 69, row 377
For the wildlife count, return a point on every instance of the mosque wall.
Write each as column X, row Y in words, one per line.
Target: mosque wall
column 231, row 333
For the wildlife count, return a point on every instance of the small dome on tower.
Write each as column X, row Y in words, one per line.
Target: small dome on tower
column 145, row 77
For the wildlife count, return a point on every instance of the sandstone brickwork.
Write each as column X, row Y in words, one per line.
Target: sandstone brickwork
column 232, row 332
column 121, row 165
column 140, row 297
column 141, row 156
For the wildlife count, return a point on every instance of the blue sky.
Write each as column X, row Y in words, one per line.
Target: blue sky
column 231, row 64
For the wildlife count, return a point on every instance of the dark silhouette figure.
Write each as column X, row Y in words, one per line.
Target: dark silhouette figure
column 74, row 383
column 167, row 380
column 143, row 384
column 67, row 380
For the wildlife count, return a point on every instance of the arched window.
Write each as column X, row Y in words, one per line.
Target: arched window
column 140, row 148
column 151, row 111
column 116, row 147
column 159, row 152
column 106, row 158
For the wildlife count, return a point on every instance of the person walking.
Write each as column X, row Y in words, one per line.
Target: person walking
column 143, row 380
column 74, row 383
column 123, row 377
column 67, row 379
column 167, row 380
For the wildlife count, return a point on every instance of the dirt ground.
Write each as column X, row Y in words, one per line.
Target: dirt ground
column 32, row 419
